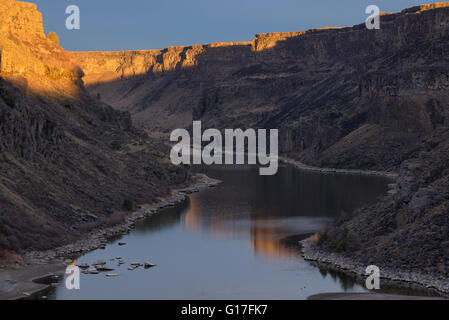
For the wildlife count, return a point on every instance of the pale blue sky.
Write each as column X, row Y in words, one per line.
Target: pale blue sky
column 150, row 24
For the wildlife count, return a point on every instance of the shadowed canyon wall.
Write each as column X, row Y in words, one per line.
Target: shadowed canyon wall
column 68, row 162
column 340, row 96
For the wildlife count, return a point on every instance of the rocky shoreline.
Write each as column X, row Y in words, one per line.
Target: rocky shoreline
column 339, row 262
column 100, row 237
column 390, row 277
column 51, row 263
column 303, row 166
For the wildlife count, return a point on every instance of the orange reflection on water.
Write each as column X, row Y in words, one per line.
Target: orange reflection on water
column 263, row 236
column 195, row 221
column 266, row 241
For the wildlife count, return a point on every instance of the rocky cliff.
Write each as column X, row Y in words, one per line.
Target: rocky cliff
column 20, row 26
column 69, row 162
column 341, row 97
column 21, row 18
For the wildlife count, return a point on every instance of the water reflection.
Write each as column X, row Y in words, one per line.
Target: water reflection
column 159, row 222
column 265, row 242
column 235, row 241
column 267, row 209
column 346, row 282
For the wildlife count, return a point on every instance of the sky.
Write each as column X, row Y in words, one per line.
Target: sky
column 148, row 24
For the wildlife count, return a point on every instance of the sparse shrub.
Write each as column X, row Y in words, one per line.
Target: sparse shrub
column 13, row 249
column 115, row 218
column 342, row 219
column 323, row 238
column 116, row 145
column 326, row 163
column 3, row 228
column 109, row 221
column 337, row 242
column 7, row 97
column 342, row 243
column 315, row 238
column 368, row 162
column 434, row 143
column 87, row 227
column 53, row 37
column 128, row 204
column 59, row 73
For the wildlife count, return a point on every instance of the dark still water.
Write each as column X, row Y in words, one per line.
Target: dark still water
column 235, row 241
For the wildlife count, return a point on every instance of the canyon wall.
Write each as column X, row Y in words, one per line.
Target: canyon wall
column 21, row 18
column 68, row 161
column 24, row 48
column 340, row 96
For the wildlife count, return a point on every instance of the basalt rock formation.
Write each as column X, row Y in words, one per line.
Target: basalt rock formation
column 408, row 230
column 341, row 97
column 68, row 162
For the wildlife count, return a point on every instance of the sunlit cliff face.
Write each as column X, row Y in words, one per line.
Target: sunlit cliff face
column 265, row 241
column 107, row 66
column 25, row 52
column 21, row 18
column 102, row 67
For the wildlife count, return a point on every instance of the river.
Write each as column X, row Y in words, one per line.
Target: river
column 235, row 241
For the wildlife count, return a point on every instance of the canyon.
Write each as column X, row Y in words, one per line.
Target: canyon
column 75, row 126
column 348, row 98
column 69, row 163
column 327, row 90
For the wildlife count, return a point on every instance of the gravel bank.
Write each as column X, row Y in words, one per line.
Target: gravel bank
column 29, row 280
column 303, row 166
column 368, row 296
column 390, row 277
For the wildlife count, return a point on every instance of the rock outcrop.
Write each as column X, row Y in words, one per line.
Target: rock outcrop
column 23, row 46
column 408, row 230
column 21, row 18
column 69, row 163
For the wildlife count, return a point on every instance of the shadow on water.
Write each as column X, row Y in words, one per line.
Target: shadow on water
column 346, row 282
column 165, row 219
column 238, row 240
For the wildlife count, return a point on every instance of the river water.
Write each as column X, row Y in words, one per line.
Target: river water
column 235, row 241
